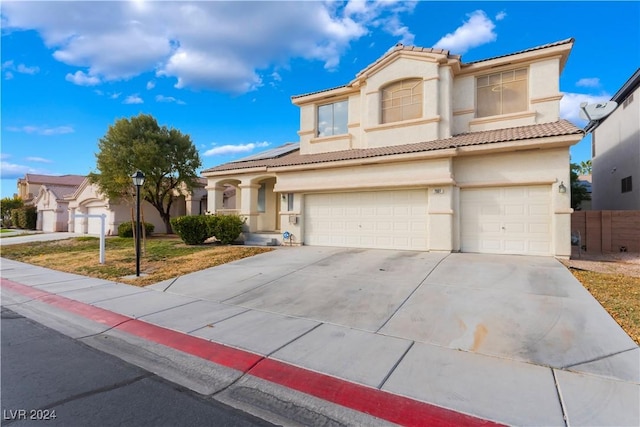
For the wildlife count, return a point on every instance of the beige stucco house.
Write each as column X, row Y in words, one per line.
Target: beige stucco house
column 421, row 151
column 87, row 199
column 29, row 186
column 52, row 207
column 616, row 151
column 46, row 193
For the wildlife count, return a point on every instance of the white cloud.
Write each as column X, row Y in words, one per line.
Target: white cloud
column 20, row 68
column 38, row 160
column 81, row 79
column 234, row 149
column 115, row 95
column 14, row 171
column 204, row 45
column 588, row 82
column 501, row 15
column 476, row 31
column 162, row 98
column 570, row 105
column 42, row 130
column 151, row 84
column 133, row 99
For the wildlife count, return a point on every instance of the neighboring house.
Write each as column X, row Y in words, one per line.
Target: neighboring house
column 585, row 181
column 29, row 186
column 421, row 151
column 615, row 153
column 53, row 212
column 87, row 199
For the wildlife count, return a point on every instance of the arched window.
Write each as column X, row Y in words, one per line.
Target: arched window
column 402, row 100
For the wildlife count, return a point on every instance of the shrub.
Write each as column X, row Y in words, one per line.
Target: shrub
column 226, row 228
column 25, row 217
column 192, row 229
column 126, row 229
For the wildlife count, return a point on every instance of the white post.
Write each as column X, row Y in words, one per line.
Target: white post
column 102, row 256
column 102, row 217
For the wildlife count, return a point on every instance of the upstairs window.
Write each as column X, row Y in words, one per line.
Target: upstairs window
column 402, row 100
column 626, row 185
column 332, row 119
column 502, row 93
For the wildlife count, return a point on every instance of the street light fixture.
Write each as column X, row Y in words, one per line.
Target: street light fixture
column 138, row 181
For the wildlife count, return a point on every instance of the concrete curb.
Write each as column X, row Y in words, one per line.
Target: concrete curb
column 256, row 368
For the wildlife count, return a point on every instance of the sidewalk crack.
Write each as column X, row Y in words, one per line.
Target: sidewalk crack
column 598, row 358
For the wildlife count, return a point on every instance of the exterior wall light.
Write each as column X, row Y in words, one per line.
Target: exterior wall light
column 438, row 190
column 561, row 188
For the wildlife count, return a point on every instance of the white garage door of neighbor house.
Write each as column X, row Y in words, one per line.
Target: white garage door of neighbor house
column 506, row 220
column 94, row 224
column 368, row 219
column 48, row 221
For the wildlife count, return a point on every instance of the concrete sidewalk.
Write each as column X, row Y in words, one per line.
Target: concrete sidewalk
column 485, row 342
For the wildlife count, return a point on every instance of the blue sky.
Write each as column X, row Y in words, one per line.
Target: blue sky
column 224, row 73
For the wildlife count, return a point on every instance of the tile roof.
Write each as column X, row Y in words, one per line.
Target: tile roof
column 559, row 128
column 73, row 180
column 59, row 191
column 544, row 46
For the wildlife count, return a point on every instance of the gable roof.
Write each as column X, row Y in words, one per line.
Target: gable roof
column 544, row 130
column 400, row 48
column 68, row 180
column 58, row 191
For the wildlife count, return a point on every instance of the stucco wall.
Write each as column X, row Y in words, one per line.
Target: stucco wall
column 538, row 167
column 617, row 155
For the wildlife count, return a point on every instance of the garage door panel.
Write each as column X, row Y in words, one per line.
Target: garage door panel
column 510, row 220
column 377, row 219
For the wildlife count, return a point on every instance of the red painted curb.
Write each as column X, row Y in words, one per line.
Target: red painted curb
column 378, row 403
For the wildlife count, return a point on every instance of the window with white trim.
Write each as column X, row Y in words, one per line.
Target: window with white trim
column 401, row 100
column 502, row 93
column 333, row 119
column 262, row 198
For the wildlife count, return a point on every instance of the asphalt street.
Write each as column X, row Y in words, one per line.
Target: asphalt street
column 51, row 379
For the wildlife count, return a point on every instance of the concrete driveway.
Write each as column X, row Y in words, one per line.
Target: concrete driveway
column 522, row 308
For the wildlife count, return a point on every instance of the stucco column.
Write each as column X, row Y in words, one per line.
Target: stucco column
column 561, row 223
column 214, row 198
column 71, row 222
column 440, row 221
column 192, row 205
column 249, row 205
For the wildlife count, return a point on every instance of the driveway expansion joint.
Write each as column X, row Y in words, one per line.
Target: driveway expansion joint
column 411, row 293
column 565, row 414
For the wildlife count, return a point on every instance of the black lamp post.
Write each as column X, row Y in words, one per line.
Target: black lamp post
column 138, row 181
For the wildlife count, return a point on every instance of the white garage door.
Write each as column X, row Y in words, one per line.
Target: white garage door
column 369, row 219
column 506, row 220
column 48, row 221
column 94, row 224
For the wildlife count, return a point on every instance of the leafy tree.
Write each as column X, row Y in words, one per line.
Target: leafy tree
column 578, row 191
column 167, row 157
column 7, row 204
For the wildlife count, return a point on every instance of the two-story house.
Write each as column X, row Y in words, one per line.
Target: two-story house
column 421, row 151
column 615, row 143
